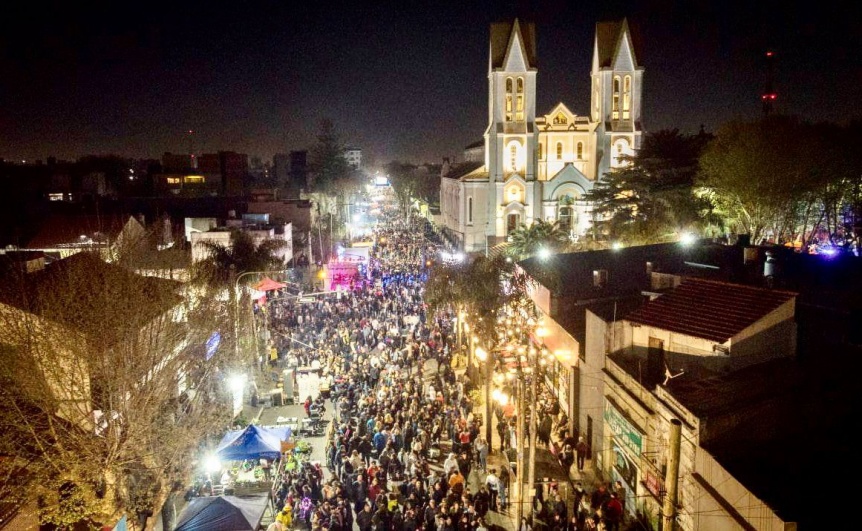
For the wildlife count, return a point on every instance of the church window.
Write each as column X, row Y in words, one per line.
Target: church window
column 519, row 109
column 520, row 85
column 539, row 149
column 560, row 119
column 559, row 150
column 580, row 150
column 615, row 108
column 627, row 96
column 566, row 212
column 513, row 158
column 469, row 210
column 509, row 97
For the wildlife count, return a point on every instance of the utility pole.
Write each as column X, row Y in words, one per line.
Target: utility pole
column 520, row 439
column 534, row 380
column 671, row 481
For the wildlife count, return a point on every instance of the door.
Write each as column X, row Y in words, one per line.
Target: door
column 512, row 222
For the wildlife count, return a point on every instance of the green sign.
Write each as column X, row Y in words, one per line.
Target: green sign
column 626, row 434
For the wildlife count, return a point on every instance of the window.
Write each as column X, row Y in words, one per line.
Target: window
column 509, row 98
column 520, row 85
column 519, row 109
column 615, row 105
column 600, row 278
column 539, row 148
column 559, row 150
column 512, row 221
column 173, row 180
column 509, row 84
column 565, row 218
column 513, row 158
column 469, row 210
column 560, row 119
column 194, row 178
column 627, row 97
column 580, row 150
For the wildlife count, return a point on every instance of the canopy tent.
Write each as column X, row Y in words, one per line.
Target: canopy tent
column 254, row 442
column 223, row 513
column 268, row 284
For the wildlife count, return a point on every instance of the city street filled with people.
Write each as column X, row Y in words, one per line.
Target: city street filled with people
column 403, row 448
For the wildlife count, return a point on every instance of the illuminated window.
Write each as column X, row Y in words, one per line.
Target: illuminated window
column 559, row 150
column 520, row 85
column 513, row 158
column 469, row 210
column 519, row 109
column 194, row 178
column 627, row 96
column 539, row 155
column 55, row 197
column 560, row 119
column 173, row 180
column 580, row 150
column 615, row 108
column 600, row 278
column 509, row 97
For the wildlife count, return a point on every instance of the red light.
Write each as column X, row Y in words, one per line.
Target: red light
column 768, row 54
column 772, row 96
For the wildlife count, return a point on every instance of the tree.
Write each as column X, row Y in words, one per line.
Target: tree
column 224, row 263
column 527, row 240
column 652, row 197
column 105, row 388
column 757, row 175
column 329, row 169
column 410, row 181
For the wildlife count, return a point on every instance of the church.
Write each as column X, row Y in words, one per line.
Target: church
column 531, row 167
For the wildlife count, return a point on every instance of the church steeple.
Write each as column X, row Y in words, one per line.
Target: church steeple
column 510, row 137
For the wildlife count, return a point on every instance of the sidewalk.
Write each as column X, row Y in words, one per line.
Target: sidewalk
column 547, row 470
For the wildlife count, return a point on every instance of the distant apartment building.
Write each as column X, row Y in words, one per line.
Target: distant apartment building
column 211, row 174
column 354, row 157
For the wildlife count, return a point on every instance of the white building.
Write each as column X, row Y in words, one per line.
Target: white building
column 353, row 157
column 540, row 167
column 258, row 228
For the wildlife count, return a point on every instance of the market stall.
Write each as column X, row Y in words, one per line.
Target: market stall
column 224, row 513
column 247, row 457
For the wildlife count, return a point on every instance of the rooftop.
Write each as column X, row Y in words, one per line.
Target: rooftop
column 711, row 310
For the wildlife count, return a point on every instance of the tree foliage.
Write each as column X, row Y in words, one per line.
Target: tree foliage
column 410, row 181
column 225, row 262
column 105, row 389
column 652, row 197
column 329, row 169
column 527, row 240
column 782, row 179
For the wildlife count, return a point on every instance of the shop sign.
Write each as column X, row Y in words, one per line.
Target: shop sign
column 653, row 483
column 624, row 466
column 628, row 436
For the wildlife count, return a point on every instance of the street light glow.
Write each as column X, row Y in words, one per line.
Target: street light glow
column 687, row 238
column 544, row 253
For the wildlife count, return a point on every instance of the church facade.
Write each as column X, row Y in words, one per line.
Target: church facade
column 533, row 167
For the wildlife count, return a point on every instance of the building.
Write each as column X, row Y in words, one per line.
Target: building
column 258, row 226
column 353, row 156
column 538, row 167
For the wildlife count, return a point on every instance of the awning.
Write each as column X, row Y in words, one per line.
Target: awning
column 268, row 284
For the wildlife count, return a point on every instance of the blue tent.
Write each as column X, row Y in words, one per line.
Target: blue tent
column 223, row 513
column 254, row 442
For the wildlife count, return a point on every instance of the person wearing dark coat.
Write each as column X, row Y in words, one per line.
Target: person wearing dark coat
column 482, row 502
column 364, row 518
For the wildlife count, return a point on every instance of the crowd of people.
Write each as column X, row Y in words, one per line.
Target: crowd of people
column 395, row 399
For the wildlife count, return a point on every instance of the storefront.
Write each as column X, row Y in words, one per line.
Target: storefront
column 624, row 453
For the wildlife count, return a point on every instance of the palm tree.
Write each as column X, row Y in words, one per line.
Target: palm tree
column 527, row 240
column 226, row 262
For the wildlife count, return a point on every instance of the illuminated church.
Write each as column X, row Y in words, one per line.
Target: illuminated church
column 533, row 167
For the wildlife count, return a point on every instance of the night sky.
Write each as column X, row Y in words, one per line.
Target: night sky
column 400, row 79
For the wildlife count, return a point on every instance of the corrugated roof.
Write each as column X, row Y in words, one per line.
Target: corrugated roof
column 711, row 310
column 501, row 33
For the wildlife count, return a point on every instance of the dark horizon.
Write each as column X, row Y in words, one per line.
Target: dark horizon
column 400, row 82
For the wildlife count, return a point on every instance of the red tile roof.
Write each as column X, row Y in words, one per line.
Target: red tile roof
column 711, row 310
